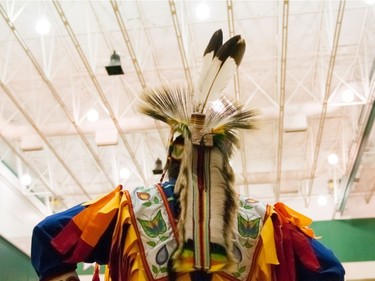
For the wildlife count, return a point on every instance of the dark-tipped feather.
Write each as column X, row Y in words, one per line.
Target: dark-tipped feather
column 217, row 72
column 215, row 43
column 234, row 48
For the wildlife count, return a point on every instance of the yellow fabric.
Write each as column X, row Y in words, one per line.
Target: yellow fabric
column 130, row 249
column 106, row 274
column 185, row 262
column 104, row 196
column 185, row 277
column 267, row 255
column 267, row 235
column 218, row 277
column 130, row 263
column 267, row 249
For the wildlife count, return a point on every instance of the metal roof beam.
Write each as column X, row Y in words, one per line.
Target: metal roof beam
column 284, row 48
column 361, row 141
column 176, row 25
column 98, row 88
column 327, row 92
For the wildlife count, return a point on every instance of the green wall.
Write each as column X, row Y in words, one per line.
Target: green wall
column 14, row 264
column 350, row 240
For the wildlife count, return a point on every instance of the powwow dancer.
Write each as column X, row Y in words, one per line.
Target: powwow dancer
column 193, row 226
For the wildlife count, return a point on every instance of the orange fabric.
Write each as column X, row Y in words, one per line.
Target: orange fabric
column 105, row 209
column 126, row 263
column 86, row 228
column 292, row 234
column 289, row 215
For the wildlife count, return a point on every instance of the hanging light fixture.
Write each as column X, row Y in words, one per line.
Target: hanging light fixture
column 158, row 167
column 114, row 67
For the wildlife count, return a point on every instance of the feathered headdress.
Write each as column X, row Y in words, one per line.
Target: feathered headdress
column 209, row 125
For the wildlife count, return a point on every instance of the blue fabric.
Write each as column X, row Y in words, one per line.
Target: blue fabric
column 46, row 261
column 168, row 189
column 330, row 267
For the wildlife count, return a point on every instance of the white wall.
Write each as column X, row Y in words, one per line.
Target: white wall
column 20, row 211
column 359, row 271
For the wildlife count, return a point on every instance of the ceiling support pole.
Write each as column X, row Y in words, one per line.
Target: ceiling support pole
column 359, row 150
column 327, row 92
column 180, row 42
column 237, row 94
column 284, row 47
column 99, row 90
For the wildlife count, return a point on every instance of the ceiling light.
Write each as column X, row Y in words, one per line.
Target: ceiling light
column 114, row 67
column 370, row 2
column 92, row 115
column 124, row 173
column 322, row 200
column 347, row 96
column 333, row 159
column 25, row 179
column 202, row 11
column 42, row 26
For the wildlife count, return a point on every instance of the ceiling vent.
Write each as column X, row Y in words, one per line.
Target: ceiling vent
column 295, row 123
column 31, row 143
column 106, row 137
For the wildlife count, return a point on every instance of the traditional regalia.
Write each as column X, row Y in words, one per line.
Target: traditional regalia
column 194, row 226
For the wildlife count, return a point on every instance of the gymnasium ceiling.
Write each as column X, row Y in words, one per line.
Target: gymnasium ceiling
column 301, row 57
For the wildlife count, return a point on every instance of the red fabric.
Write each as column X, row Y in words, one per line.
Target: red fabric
column 86, row 228
column 63, row 245
column 286, row 270
column 119, row 266
column 292, row 245
column 303, row 250
column 96, row 277
column 291, row 216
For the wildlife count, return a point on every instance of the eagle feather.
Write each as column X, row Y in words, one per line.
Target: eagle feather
column 219, row 65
